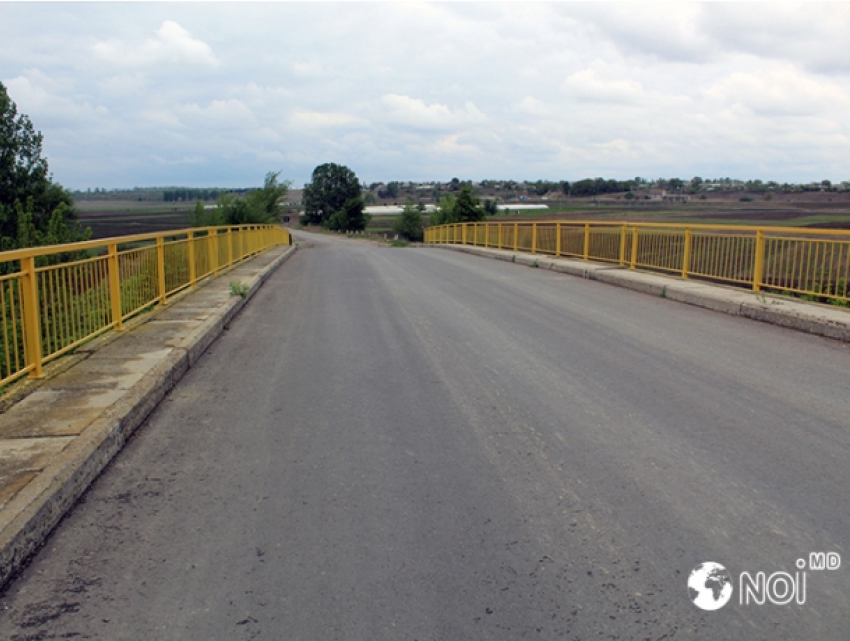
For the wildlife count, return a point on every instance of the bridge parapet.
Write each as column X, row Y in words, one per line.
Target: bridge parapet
column 55, row 298
column 813, row 264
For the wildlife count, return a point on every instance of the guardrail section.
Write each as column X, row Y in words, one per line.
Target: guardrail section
column 54, row 298
column 810, row 263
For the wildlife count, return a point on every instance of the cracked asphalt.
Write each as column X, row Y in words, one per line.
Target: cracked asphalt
column 418, row 444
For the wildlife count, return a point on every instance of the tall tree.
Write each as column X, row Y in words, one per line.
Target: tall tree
column 33, row 209
column 467, row 207
column 331, row 187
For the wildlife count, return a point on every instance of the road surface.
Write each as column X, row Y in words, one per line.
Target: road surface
column 417, row 444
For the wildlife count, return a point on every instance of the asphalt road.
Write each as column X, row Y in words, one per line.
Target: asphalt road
column 417, row 444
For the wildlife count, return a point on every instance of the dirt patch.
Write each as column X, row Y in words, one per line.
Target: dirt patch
column 105, row 224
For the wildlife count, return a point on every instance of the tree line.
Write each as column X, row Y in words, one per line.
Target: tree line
column 188, row 195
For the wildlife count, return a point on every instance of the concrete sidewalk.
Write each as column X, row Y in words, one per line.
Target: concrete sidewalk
column 813, row 318
column 59, row 433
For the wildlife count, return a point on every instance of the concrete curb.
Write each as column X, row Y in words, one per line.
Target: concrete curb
column 30, row 516
column 803, row 316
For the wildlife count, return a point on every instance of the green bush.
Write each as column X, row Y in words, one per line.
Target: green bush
column 409, row 224
column 350, row 218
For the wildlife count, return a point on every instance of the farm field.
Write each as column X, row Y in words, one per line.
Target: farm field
column 108, row 218
column 810, row 210
column 813, row 210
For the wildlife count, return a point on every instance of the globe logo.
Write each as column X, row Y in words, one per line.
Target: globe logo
column 710, row 586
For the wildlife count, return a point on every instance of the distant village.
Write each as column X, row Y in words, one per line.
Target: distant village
column 507, row 192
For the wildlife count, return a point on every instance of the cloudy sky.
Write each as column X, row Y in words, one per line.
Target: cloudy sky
column 218, row 94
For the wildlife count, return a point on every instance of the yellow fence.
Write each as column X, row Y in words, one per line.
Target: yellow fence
column 812, row 263
column 49, row 305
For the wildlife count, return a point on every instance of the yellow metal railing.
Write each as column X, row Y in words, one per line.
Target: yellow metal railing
column 814, row 263
column 49, row 309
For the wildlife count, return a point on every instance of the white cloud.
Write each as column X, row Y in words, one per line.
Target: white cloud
column 781, row 91
column 173, row 44
column 667, row 32
column 230, row 114
column 123, row 84
column 811, row 34
column 323, row 120
column 312, row 69
column 413, row 112
column 450, row 145
column 534, row 107
column 162, row 118
column 587, row 86
column 36, row 93
column 184, row 160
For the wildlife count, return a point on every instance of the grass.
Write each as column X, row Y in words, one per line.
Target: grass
column 239, row 289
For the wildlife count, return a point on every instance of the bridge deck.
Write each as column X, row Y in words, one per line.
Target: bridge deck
column 421, row 444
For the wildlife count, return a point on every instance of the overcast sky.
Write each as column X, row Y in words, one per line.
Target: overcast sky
column 218, row 94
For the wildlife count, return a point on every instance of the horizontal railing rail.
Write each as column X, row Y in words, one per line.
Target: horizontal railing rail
column 814, row 263
column 54, row 298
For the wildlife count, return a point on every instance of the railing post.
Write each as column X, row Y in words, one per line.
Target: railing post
column 533, row 238
column 758, row 267
column 112, row 267
column 212, row 246
column 486, row 235
column 633, row 261
column 587, row 241
column 516, row 237
column 229, row 246
column 160, row 268
column 464, row 233
column 193, row 278
column 686, row 254
column 500, row 234
column 622, row 245
column 32, row 321
column 557, row 239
